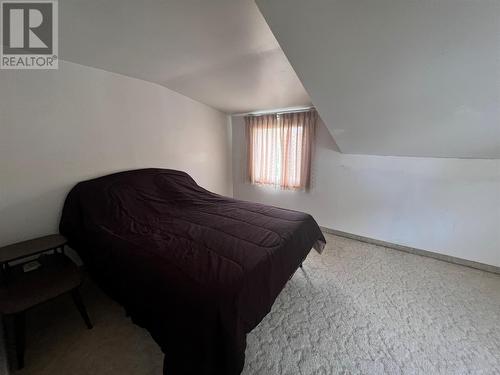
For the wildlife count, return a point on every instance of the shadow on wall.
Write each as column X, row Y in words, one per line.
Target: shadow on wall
column 324, row 138
column 32, row 216
column 324, row 141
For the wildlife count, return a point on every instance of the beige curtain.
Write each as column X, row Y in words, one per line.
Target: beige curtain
column 280, row 148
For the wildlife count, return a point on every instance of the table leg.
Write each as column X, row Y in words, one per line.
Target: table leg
column 3, row 346
column 77, row 298
column 20, row 333
column 3, row 275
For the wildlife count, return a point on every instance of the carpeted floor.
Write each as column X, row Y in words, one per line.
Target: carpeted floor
column 356, row 309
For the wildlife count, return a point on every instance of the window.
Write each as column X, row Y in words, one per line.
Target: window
column 279, row 148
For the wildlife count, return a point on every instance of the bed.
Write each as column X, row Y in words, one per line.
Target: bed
column 196, row 269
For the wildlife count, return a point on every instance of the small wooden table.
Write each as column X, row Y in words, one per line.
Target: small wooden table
column 20, row 291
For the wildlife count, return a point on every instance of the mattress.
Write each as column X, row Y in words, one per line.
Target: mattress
column 196, row 269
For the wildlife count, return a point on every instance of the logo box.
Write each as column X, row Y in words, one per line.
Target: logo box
column 29, row 34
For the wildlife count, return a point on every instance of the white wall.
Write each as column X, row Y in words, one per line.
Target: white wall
column 449, row 206
column 61, row 127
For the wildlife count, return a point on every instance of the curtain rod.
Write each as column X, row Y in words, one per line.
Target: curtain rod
column 274, row 111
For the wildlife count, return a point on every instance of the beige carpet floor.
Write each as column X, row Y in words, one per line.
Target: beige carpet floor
column 356, row 309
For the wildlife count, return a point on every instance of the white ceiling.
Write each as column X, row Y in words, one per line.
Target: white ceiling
column 219, row 52
column 398, row 77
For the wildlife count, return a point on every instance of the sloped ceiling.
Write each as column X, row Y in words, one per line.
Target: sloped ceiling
column 219, row 52
column 398, row 77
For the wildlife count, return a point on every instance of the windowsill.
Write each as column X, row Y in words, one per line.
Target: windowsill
column 276, row 188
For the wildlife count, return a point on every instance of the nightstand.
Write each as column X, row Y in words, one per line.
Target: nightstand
column 54, row 275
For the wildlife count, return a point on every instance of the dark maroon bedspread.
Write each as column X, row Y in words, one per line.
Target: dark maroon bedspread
column 196, row 269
